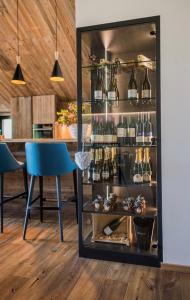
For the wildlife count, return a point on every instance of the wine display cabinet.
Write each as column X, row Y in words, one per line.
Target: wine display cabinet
column 118, row 89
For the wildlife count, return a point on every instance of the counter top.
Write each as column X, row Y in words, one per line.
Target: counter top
column 38, row 140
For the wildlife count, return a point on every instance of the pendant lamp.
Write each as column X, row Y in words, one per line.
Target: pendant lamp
column 18, row 77
column 56, row 73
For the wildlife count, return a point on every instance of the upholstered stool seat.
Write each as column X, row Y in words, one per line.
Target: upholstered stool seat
column 8, row 163
column 48, row 159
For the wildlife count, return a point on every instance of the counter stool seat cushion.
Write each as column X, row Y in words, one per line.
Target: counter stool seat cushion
column 8, row 163
column 48, row 159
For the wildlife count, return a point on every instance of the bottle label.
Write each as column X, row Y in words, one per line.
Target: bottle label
column 146, row 93
column 137, row 178
column 99, row 138
column 121, row 132
column 96, row 176
column 131, row 132
column 140, row 138
column 108, row 230
column 114, row 138
column 146, row 177
column 108, row 138
column 148, row 137
column 132, row 93
column 105, row 175
column 98, row 95
column 93, row 138
column 111, row 95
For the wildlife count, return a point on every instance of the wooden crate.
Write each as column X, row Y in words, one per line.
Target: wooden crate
column 123, row 234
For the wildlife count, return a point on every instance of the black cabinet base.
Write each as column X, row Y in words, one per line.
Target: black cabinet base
column 152, row 261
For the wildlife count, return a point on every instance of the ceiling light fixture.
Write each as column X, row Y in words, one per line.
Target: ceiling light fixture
column 18, row 77
column 56, row 73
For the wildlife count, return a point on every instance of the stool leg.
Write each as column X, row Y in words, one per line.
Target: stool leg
column 25, row 176
column 75, row 191
column 32, row 181
column 41, row 197
column 58, row 189
column 1, row 200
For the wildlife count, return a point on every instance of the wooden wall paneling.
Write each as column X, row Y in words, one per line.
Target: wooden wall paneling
column 37, row 46
column 21, row 111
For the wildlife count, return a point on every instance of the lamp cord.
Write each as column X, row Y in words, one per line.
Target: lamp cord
column 56, row 25
column 18, row 49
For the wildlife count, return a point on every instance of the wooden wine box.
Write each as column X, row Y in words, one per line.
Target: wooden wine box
column 122, row 235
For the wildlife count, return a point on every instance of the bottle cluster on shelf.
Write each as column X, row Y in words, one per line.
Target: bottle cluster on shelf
column 109, row 165
column 129, row 131
column 103, row 166
column 109, row 203
column 104, row 91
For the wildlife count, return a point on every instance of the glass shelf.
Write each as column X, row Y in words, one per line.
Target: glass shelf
column 149, row 212
column 125, row 99
column 123, row 184
column 102, row 145
column 131, row 63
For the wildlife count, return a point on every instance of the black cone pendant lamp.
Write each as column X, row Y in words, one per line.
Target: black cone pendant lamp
column 18, row 77
column 56, row 73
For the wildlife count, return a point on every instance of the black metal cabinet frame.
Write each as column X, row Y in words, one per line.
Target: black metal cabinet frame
column 110, row 254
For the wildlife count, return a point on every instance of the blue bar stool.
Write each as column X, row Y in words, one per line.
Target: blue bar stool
column 8, row 163
column 47, row 159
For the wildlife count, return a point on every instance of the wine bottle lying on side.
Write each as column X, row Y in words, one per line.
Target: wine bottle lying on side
column 111, row 227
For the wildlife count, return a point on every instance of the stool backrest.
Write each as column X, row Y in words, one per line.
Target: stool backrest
column 48, row 159
column 7, row 160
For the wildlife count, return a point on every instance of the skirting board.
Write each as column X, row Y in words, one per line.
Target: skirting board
column 175, row 268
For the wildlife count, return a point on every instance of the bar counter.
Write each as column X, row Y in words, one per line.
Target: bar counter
column 14, row 180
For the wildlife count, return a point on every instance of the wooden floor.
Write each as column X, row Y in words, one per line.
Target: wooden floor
column 43, row 268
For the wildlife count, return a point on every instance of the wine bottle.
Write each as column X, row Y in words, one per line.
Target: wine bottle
column 131, row 132
column 111, row 227
column 112, row 88
column 148, row 131
column 121, row 131
column 140, row 130
column 114, row 162
column 147, row 172
column 99, row 137
column 146, row 87
column 132, row 87
column 105, row 168
column 138, row 167
column 93, row 133
column 91, row 166
column 96, row 173
column 98, row 92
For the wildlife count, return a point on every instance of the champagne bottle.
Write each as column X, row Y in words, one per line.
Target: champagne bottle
column 131, row 132
column 98, row 92
column 146, row 87
column 138, row 167
column 148, row 131
column 121, row 131
column 105, row 168
column 114, row 162
column 132, row 87
column 111, row 227
column 147, row 172
column 140, row 131
column 112, row 88
column 96, row 173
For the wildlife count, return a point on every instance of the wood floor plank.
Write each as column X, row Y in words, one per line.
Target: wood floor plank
column 43, row 268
